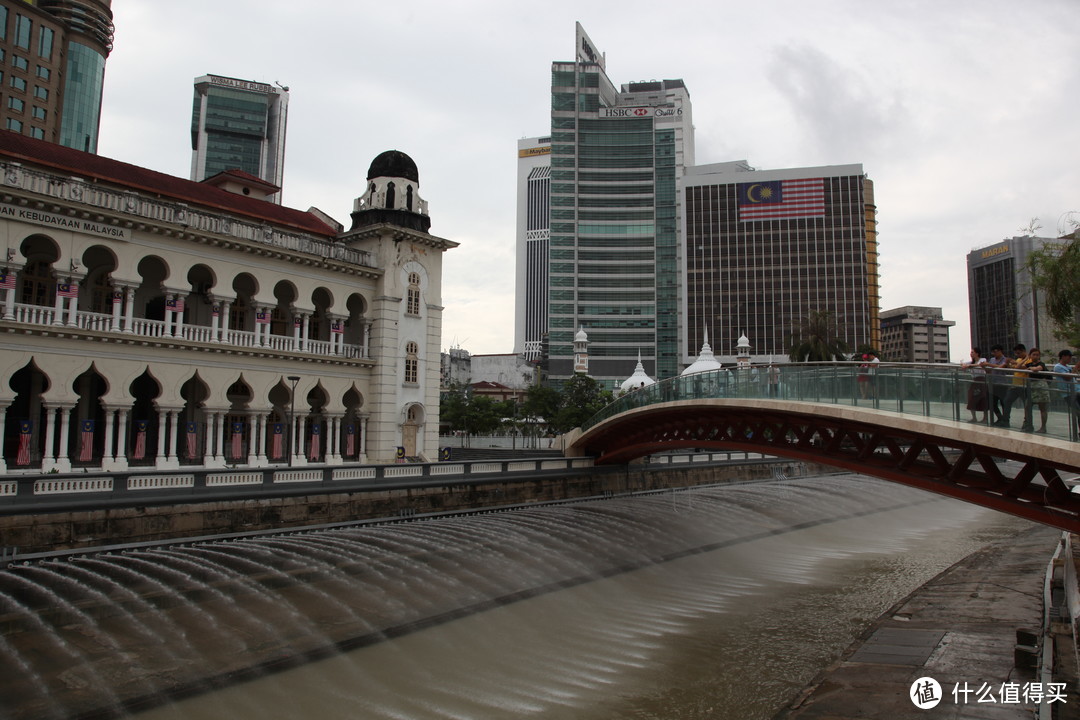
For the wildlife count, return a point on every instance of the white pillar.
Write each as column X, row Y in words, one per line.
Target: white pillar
column 73, row 305
column 218, row 458
column 174, row 440
column 215, row 323
column 129, row 309
column 9, row 301
column 108, row 456
column 179, row 316
column 305, row 336
column 365, row 352
column 254, row 427
column 120, row 462
column 49, row 458
column 225, row 307
column 362, row 441
column 58, row 309
column 63, row 460
column 163, row 429
column 117, row 306
column 3, row 422
column 169, row 298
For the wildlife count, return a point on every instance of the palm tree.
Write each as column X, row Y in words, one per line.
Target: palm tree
column 817, row 339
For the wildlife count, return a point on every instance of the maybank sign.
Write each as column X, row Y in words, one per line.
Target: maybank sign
column 531, row 152
column 640, row 112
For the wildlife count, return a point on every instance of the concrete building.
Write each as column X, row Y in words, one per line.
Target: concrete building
column 916, row 335
column 53, row 54
column 763, row 248
column 158, row 322
column 509, row 370
column 532, row 246
column 1004, row 308
column 239, row 125
column 616, row 155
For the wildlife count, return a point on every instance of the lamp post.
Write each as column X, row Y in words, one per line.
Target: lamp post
column 292, row 419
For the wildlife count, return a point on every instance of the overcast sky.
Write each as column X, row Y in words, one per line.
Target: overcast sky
column 965, row 114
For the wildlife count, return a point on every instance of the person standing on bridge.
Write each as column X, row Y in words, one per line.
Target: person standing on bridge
column 999, row 388
column 1018, row 389
column 1066, row 385
column 977, row 400
column 1038, row 391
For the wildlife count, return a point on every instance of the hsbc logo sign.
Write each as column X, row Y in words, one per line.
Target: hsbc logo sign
column 639, row 112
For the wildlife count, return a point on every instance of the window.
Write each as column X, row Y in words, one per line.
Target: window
column 38, row 284
column 18, row 83
column 3, row 22
column 43, row 72
column 22, row 32
column 36, row 132
column 16, row 104
column 412, row 305
column 38, row 113
column 13, row 124
column 20, row 62
column 45, row 42
column 412, row 362
column 41, row 93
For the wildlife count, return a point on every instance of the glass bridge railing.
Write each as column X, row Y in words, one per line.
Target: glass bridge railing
column 1048, row 399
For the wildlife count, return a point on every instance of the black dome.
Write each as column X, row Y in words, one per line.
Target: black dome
column 393, row 163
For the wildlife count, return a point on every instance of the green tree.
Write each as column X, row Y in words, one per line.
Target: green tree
column 582, row 397
column 817, row 339
column 1055, row 270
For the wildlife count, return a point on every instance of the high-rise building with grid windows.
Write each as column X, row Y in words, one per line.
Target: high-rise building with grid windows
column 614, row 265
column 765, row 248
column 239, row 125
column 533, row 239
column 52, row 68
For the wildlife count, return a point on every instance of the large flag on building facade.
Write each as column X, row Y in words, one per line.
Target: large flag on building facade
column 139, row 452
column 192, row 439
column 86, row 440
column 350, row 440
column 7, row 280
column 314, row 447
column 26, row 429
column 237, row 439
column 782, row 199
column 276, row 441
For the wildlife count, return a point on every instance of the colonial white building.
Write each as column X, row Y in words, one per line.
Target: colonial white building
column 153, row 321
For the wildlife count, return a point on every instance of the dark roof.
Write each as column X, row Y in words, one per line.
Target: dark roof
column 21, row 148
column 394, row 163
column 240, row 176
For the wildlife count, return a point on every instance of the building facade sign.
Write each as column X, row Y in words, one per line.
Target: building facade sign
column 991, row 252
column 37, row 217
column 240, row 84
column 640, row 112
column 532, row 152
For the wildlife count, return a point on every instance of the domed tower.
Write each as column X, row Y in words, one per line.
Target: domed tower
column 581, row 352
column 392, row 195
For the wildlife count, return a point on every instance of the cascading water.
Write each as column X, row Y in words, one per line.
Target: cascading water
column 108, row 634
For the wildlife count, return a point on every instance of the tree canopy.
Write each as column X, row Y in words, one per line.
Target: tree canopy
column 817, row 338
column 1055, row 270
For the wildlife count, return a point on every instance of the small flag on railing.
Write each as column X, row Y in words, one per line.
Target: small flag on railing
column 237, row 439
column 7, row 280
column 86, row 438
column 400, row 454
column 67, row 290
column 337, row 327
column 314, row 446
column 276, row 441
column 216, row 311
column 117, row 297
column 139, row 452
column 26, row 428
column 192, row 439
column 175, row 304
column 350, row 440
column 262, row 317
column 296, row 322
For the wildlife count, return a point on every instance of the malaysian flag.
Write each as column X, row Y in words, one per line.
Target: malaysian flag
column 117, row 297
column 192, row 439
column 86, row 437
column 336, row 327
column 262, row 317
column 26, row 428
column 140, row 440
column 237, row 439
column 782, row 199
column 175, row 304
column 275, row 441
column 67, row 290
column 350, row 440
column 313, row 448
column 7, row 280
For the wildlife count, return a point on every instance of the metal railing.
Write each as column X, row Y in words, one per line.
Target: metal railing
column 937, row 391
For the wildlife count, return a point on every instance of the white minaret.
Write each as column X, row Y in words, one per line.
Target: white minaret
column 581, row 352
column 742, row 352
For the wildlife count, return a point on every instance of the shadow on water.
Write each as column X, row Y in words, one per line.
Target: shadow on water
column 110, row 634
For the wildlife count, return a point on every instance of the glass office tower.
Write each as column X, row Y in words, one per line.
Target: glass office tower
column 616, row 156
column 238, row 125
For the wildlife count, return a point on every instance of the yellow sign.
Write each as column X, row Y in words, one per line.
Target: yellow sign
column 995, row 251
column 531, row 152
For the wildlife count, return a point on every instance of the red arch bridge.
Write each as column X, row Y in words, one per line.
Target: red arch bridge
column 904, row 423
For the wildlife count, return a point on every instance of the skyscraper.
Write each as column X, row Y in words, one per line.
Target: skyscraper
column 1004, row 308
column 533, row 239
column 53, row 70
column 238, row 125
column 765, row 248
column 614, row 268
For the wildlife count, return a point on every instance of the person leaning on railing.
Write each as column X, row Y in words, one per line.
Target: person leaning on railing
column 1067, row 386
column 1038, row 391
column 977, row 394
column 998, row 380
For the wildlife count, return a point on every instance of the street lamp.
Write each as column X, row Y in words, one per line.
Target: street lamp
column 292, row 420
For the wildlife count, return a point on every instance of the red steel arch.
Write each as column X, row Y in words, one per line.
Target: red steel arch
column 1013, row 472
